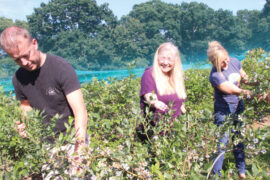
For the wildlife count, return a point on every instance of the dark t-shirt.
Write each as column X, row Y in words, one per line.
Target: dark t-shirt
column 148, row 85
column 231, row 74
column 46, row 88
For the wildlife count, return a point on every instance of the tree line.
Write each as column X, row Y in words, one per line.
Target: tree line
column 91, row 37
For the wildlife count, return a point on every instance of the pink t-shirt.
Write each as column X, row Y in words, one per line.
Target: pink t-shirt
column 148, row 85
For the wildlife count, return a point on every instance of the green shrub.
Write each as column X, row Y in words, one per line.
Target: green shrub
column 115, row 151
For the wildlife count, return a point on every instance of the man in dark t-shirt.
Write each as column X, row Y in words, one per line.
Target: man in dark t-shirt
column 45, row 88
column 45, row 82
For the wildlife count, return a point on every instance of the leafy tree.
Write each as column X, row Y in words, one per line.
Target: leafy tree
column 258, row 22
column 239, row 36
column 82, row 51
column 4, row 23
column 266, row 21
column 130, row 39
column 266, row 9
column 65, row 15
column 75, row 30
column 197, row 27
column 160, row 22
column 231, row 31
column 253, row 21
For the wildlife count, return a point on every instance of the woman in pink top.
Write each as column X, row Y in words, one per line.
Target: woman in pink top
column 162, row 84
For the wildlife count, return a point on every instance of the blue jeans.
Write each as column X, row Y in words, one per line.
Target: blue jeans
column 221, row 111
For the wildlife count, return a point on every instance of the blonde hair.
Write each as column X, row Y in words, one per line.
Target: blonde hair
column 9, row 37
column 175, row 84
column 216, row 53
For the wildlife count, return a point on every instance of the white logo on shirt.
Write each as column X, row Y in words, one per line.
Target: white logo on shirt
column 52, row 91
column 234, row 78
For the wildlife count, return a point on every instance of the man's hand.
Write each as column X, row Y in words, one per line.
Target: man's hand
column 76, row 159
column 76, row 168
column 21, row 129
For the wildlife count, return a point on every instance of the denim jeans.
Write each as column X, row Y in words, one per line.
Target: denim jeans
column 221, row 111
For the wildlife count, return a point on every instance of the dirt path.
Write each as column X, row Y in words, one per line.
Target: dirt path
column 265, row 122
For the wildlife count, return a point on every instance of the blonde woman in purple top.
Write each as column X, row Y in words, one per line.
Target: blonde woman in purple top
column 163, row 83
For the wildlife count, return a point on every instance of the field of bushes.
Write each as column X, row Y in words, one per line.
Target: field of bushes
column 115, row 151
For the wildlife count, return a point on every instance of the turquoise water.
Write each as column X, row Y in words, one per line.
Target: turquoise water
column 86, row 76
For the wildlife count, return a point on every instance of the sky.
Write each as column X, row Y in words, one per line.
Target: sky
column 19, row 9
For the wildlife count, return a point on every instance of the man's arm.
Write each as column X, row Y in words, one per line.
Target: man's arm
column 76, row 102
column 25, row 107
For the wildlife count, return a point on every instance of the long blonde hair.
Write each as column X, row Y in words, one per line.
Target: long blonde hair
column 175, row 84
column 216, row 53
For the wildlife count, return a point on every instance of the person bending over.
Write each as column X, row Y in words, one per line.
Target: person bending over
column 225, row 78
column 45, row 82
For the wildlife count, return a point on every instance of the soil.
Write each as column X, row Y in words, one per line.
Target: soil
column 265, row 123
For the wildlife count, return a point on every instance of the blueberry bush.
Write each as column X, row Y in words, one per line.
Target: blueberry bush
column 186, row 150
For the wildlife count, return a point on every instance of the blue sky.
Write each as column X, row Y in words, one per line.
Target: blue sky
column 18, row 9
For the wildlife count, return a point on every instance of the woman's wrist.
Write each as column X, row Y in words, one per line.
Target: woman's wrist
column 150, row 99
column 245, row 79
column 246, row 93
column 153, row 102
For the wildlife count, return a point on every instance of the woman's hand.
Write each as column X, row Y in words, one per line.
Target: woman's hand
column 183, row 109
column 160, row 105
column 268, row 98
column 263, row 97
column 247, row 93
column 152, row 100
